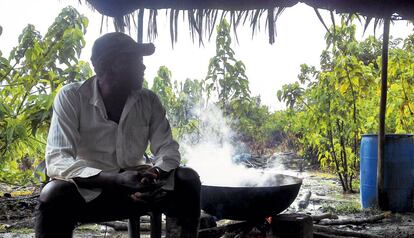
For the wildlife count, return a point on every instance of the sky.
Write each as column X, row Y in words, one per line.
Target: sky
column 300, row 39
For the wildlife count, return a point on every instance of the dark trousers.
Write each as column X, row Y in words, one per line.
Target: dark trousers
column 61, row 207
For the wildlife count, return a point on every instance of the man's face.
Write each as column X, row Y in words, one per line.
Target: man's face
column 127, row 71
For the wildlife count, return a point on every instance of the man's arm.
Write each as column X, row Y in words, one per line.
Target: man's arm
column 127, row 181
column 63, row 138
column 162, row 145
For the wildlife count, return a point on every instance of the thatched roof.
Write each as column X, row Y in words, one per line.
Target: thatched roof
column 203, row 14
column 372, row 8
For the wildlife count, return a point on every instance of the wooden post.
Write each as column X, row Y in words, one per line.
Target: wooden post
column 381, row 194
column 140, row 27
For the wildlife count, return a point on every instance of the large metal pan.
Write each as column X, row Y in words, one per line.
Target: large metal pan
column 250, row 203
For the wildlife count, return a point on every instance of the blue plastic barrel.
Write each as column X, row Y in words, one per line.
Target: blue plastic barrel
column 398, row 171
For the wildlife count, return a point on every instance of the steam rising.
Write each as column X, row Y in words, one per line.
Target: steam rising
column 211, row 149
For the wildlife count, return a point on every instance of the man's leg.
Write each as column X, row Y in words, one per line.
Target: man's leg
column 111, row 206
column 56, row 210
column 184, row 202
column 61, row 207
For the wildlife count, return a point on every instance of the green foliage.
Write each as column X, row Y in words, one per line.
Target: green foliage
column 342, row 208
column 189, row 99
column 227, row 81
column 179, row 99
column 331, row 108
column 226, row 76
column 250, row 120
column 29, row 80
column 400, row 110
column 162, row 86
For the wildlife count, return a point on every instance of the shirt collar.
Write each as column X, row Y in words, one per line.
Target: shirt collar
column 90, row 89
column 96, row 98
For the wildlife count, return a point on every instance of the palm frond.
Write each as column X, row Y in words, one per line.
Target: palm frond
column 321, row 20
column 202, row 22
column 367, row 21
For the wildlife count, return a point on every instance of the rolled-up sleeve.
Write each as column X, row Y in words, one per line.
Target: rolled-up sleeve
column 64, row 137
column 162, row 144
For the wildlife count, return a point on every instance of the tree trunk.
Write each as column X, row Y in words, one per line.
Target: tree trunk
column 336, row 159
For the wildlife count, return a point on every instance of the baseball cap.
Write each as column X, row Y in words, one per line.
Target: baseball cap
column 116, row 43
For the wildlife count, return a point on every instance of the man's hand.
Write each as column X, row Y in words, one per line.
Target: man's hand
column 150, row 176
column 135, row 181
column 140, row 185
column 151, row 197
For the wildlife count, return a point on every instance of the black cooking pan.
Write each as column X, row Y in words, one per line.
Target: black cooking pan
column 250, row 203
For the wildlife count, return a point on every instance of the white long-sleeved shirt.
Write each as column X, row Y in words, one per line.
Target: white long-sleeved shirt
column 82, row 141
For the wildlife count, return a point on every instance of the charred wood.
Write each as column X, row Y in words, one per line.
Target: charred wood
column 356, row 221
column 211, row 232
column 317, row 218
column 324, row 235
column 321, row 230
column 117, row 225
column 221, row 230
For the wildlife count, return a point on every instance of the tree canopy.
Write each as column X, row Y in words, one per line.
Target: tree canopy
column 29, row 79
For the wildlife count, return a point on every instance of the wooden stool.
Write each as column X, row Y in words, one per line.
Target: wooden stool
column 134, row 226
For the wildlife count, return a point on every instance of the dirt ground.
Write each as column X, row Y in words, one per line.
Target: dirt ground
column 326, row 197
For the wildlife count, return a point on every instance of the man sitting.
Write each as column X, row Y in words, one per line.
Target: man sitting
column 99, row 132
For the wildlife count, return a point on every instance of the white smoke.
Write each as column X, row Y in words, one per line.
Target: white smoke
column 210, row 151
